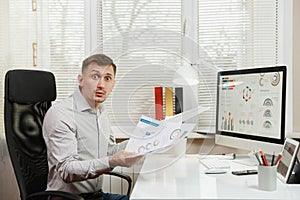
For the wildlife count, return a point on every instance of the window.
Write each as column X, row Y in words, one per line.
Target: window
column 227, row 35
column 148, row 40
column 144, row 39
column 236, row 34
column 61, row 44
column 17, row 38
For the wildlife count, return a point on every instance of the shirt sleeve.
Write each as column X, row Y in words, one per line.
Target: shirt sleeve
column 115, row 147
column 60, row 137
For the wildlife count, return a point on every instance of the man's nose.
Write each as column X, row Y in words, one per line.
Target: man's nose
column 100, row 82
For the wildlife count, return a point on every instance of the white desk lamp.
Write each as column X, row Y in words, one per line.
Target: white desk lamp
column 187, row 78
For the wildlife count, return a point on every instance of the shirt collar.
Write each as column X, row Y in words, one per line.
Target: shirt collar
column 81, row 103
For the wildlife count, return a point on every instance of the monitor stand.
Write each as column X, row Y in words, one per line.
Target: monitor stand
column 248, row 160
column 295, row 176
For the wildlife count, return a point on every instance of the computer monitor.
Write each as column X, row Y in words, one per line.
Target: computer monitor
column 251, row 109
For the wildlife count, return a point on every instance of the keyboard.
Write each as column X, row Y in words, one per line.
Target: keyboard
column 215, row 163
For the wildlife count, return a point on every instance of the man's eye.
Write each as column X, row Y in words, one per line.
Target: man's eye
column 108, row 78
column 95, row 76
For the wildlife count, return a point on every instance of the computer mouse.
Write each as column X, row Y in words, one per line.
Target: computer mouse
column 216, row 171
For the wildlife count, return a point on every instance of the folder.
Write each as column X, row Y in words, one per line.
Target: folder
column 158, row 93
column 169, row 101
column 178, row 100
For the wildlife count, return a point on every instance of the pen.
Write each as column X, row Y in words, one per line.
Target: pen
column 278, row 158
column 262, row 158
column 229, row 155
column 273, row 156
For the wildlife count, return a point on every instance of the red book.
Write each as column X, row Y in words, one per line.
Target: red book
column 158, row 93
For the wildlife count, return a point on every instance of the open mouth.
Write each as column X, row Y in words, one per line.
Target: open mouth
column 100, row 94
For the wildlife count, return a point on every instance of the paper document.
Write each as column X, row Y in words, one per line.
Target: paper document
column 151, row 135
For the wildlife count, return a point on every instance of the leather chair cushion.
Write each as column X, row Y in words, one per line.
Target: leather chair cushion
column 22, row 89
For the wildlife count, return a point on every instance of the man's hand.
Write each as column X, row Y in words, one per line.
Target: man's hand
column 122, row 159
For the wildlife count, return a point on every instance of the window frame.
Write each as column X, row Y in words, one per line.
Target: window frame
column 189, row 29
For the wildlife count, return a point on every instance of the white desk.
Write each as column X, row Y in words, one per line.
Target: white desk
column 163, row 177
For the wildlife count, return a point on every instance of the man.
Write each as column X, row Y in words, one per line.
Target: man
column 77, row 134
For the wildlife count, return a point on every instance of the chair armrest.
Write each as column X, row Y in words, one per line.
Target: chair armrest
column 52, row 193
column 123, row 176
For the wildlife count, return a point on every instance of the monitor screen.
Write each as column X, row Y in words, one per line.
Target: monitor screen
column 251, row 106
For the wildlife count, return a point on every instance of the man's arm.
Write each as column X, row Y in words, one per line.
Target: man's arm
column 123, row 159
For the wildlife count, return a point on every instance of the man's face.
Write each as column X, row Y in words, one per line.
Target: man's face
column 96, row 83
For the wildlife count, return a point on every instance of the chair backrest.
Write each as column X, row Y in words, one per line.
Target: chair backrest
column 28, row 96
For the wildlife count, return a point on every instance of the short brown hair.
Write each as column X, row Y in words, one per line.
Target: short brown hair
column 99, row 59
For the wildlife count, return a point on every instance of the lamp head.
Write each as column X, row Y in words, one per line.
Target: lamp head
column 186, row 76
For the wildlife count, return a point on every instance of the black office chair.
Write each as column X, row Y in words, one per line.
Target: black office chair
column 28, row 96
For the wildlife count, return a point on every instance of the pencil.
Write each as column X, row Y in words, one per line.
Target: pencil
column 257, row 157
column 263, row 157
column 278, row 158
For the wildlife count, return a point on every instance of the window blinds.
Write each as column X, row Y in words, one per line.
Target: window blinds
column 235, row 34
column 61, row 45
column 17, row 33
column 144, row 39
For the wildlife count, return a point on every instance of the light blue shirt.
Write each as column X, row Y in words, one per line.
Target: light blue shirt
column 79, row 142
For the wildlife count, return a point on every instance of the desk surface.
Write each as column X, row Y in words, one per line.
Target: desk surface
column 169, row 177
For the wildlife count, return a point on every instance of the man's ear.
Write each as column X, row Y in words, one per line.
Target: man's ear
column 80, row 80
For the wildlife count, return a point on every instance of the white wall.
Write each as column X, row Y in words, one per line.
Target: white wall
column 296, row 65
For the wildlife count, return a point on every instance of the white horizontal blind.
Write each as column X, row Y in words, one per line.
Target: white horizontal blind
column 3, row 63
column 62, row 41
column 235, row 34
column 17, row 33
column 144, row 39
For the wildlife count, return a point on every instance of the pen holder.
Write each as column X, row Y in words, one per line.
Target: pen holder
column 267, row 177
